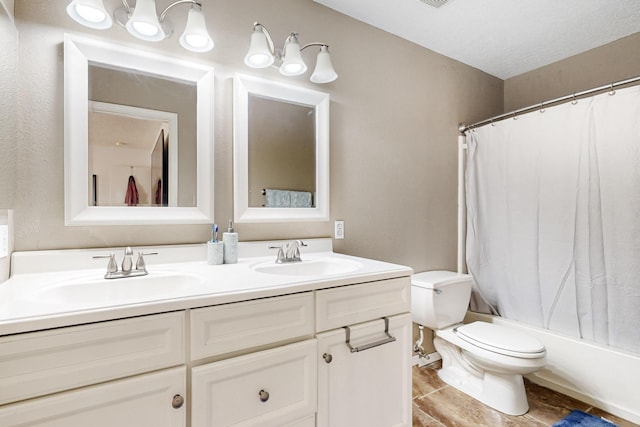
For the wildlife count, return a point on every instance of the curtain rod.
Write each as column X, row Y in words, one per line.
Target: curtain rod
column 464, row 128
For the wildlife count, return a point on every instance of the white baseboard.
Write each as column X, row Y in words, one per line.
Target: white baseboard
column 423, row 361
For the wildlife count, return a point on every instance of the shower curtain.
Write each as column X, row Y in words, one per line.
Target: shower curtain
column 553, row 217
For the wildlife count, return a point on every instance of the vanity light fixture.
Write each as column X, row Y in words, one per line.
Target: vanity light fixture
column 90, row 13
column 262, row 53
column 143, row 22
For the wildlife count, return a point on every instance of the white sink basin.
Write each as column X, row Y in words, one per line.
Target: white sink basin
column 312, row 267
column 153, row 286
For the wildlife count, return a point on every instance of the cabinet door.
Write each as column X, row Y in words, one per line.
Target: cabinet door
column 370, row 387
column 143, row 401
column 271, row 388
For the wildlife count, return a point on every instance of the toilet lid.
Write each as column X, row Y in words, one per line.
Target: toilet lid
column 501, row 340
column 438, row 279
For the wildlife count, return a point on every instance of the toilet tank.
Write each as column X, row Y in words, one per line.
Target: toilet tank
column 440, row 298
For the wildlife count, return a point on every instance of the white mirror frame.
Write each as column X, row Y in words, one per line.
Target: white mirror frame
column 242, row 88
column 78, row 53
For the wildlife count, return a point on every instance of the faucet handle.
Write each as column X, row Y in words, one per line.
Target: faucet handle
column 112, row 266
column 280, row 256
column 140, row 264
column 300, row 244
column 296, row 254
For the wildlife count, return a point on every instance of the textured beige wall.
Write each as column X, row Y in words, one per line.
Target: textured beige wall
column 8, row 6
column 612, row 62
column 8, row 103
column 395, row 111
column 8, row 123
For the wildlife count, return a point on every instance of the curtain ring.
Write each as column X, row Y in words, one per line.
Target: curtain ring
column 575, row 101
column 492, row 124
column 515, row 116
column 542, row 110
column 611, row 91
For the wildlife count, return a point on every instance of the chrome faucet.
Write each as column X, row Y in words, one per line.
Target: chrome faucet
column 127, row 265
column 289, row 252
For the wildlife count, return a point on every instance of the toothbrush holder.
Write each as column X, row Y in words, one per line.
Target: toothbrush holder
column 215, row 253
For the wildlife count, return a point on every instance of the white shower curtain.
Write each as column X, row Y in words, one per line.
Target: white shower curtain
column 553, row 217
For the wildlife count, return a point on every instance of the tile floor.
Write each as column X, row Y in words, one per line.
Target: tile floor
column 436, row 404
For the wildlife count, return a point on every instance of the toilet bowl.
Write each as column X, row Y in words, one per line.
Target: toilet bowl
column 483, row 360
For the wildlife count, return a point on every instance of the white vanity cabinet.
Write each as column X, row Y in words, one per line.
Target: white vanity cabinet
column 75, row 376
column 364, row 347
column 332, row 357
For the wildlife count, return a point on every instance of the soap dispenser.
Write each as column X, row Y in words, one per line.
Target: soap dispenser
column 230, row 239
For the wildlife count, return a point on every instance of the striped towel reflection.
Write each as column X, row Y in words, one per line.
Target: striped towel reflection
column 287, row 199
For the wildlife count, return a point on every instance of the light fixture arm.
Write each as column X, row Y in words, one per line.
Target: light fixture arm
column 313, row 44
column 266, row 32
column 163, row 15
column 126, row 7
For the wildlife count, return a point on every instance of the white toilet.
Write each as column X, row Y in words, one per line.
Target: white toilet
column 483, row 360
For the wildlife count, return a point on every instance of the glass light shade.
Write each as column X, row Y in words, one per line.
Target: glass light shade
column 144, row 23
column 292, row 63
column 259, row 55
column 90, row 13
column 324, row 72
column 195, row 36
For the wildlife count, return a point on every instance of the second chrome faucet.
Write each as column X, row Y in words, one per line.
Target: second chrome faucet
column 288, row 252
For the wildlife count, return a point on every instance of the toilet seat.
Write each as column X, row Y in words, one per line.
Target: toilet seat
column 499, row 339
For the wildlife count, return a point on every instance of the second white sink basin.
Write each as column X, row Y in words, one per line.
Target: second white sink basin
column 311, row 267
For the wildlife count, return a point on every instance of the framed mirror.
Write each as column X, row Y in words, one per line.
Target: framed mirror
column 138, row 136
column 280, row 151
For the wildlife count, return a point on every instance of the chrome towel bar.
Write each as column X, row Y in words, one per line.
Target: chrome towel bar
column 389, row 338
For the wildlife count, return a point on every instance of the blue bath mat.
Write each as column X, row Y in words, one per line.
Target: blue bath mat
column 582, row 419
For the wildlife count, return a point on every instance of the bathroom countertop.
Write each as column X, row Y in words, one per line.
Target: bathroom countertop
column 27, row 302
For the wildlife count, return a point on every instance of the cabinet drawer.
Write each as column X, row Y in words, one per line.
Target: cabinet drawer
column 142, row 401
column 349, row 305
column 227, row 328
column 39, row 363
column 228, row 393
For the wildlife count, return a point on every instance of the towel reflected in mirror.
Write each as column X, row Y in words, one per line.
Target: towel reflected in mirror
column 287, row 198
column 131, row 198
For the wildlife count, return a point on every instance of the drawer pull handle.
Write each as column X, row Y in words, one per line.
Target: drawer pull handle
column 177, row 402
column 364, row 347
column 327, row 357
column 264, row 395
